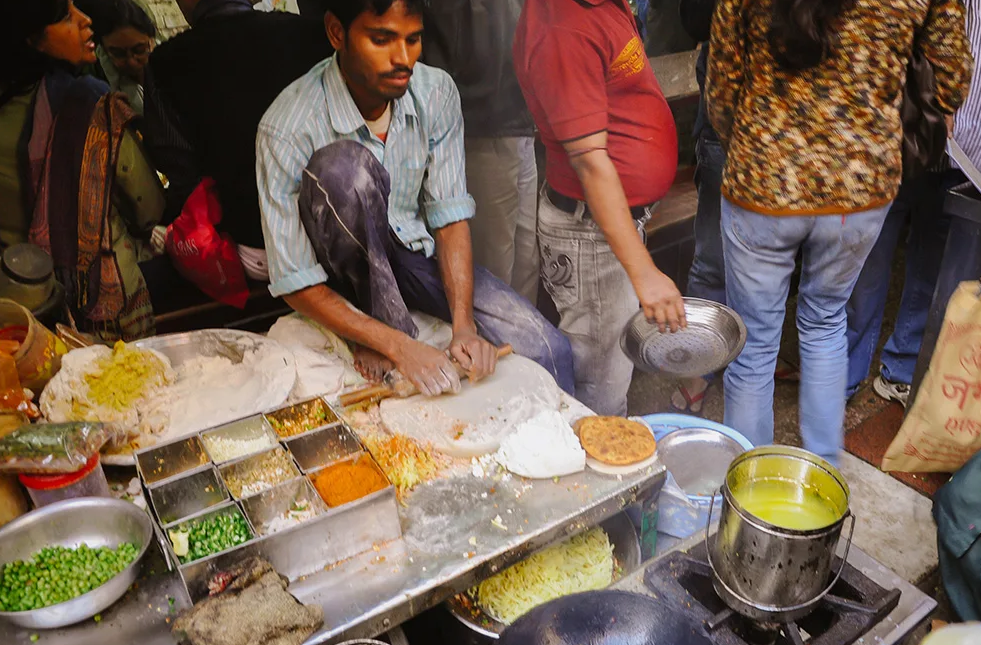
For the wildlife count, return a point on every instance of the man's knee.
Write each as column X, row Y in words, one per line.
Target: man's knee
column 348, row 164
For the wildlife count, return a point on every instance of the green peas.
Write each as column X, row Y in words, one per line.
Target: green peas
column 214, row 534
column 56, row 574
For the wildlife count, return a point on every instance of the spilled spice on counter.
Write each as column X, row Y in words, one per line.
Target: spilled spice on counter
column 347, row 481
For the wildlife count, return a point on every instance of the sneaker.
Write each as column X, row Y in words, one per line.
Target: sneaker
column 890, row 391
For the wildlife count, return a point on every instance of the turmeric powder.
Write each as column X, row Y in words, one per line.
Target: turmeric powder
column 347, row 481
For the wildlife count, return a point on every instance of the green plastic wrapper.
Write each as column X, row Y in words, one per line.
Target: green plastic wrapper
column 52, row 448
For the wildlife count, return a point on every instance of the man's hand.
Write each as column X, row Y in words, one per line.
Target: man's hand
column 662, row 302
column 429, row 369
column 473, row 353
column 949, row 120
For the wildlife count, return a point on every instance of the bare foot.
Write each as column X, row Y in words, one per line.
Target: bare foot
column 695, row 390
column 370, row 364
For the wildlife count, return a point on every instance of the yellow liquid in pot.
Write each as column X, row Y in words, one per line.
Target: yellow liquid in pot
column 787, row 505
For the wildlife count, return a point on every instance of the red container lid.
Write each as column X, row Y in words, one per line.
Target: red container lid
column 54, row 482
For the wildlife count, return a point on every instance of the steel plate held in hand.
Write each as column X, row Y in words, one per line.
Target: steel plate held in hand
column 714, row 337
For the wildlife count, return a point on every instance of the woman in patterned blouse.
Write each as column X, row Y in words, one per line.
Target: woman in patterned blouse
column 805, row 96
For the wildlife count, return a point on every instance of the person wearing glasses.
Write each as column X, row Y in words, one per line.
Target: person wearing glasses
column 126, row 36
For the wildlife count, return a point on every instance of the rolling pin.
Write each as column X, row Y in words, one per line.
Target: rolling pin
column 396, row 385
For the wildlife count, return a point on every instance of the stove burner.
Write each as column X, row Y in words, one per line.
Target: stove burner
column 855, row 605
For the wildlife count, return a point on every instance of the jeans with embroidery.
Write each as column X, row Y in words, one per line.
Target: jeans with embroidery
column 344, row 209
column 760, row 252
column 594, row 298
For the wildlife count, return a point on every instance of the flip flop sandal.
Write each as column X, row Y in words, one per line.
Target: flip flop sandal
column 690, row 401
column 787, row 372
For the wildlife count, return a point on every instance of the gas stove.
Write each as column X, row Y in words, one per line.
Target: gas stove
column 868, row 605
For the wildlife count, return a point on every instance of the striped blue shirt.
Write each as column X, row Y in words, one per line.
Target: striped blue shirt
column 423, row 154
column 967, row 120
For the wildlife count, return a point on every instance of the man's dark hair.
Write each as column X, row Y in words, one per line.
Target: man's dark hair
column 347, row 10
column 118, row 14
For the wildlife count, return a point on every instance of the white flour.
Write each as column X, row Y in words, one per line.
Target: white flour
column 205, row 392
column 542, row 447
column 213, row 390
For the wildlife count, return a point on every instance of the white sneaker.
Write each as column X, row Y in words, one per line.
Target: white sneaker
column 890, row 391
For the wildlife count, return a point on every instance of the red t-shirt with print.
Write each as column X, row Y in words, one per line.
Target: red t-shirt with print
column 582, row 68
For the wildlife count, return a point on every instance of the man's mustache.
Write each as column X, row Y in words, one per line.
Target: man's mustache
column 398, row 71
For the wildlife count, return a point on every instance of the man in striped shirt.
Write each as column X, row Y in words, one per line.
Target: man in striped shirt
column 362, row 188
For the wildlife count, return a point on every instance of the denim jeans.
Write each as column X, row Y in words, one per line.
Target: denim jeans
column 760, row 251
column 921, row 203
column 594, row 298
column 365, row 262
column 707, row 277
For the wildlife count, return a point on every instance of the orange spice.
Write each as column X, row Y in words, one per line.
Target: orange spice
column 348, row 481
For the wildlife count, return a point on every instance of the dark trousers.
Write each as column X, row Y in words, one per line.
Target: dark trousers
column 344, row 209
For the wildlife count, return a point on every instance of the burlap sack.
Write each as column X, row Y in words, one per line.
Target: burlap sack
column 943, row 428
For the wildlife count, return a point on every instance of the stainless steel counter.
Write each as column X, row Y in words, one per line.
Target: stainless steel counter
column 914, row 606
column 451, row 538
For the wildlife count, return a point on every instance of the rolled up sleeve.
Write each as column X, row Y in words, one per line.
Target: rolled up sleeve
column 293, row 263
column 444, row 190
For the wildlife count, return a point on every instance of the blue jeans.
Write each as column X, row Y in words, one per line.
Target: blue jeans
column 921, row 203
column 760, row 251
column 707, row 277
column 365, row 262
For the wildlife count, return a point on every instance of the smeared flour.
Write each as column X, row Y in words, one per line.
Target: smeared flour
column 543, row 447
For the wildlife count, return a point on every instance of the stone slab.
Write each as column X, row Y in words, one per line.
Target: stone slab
column 894, row 523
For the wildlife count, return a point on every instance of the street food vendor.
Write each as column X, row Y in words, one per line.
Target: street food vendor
column 362, row 188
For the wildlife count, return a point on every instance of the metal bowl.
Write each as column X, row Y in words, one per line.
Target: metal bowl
column 96, row 521
column 626, row 554
column 714, row 338
column 698, row 458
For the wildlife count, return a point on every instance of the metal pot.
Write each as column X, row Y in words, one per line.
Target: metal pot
column 767, row 572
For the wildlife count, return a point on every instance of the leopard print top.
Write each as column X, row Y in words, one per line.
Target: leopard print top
column 826, row 140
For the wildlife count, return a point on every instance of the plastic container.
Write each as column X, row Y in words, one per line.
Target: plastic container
column 39, row 356
column 26, row 275
column 90, row 481
column 681, row 514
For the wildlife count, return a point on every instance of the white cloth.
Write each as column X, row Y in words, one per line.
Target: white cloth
column 277, row 5
column 379, row 127
column 254, row 262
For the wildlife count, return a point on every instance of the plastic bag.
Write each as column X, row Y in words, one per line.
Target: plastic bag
column 943, row 428
column 52, row 448
column 202, row 255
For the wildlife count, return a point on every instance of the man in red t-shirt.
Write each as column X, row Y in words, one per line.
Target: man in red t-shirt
column 611, row 155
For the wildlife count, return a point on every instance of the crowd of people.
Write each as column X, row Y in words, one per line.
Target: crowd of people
column 372, row 158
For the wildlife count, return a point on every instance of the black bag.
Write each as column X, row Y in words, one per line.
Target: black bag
column 924, row 125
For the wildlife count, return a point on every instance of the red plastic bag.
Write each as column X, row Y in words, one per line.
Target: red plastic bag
column 202, row 255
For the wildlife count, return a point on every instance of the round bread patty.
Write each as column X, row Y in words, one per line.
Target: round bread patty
column 615, row 440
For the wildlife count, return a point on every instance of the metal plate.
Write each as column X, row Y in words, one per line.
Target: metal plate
column 698, row 458
column 97, row 522
column 626, row 554
column 228, row 343
column 187, row 496
column 714, row 338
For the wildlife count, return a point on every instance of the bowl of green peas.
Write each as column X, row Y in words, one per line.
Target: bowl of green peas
column 70, row 560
